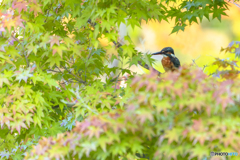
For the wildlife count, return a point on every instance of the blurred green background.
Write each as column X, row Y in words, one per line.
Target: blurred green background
column 200, row 42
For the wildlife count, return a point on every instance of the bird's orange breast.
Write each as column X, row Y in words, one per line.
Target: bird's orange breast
column 167, row 64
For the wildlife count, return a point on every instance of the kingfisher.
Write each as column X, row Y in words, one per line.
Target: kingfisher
column 169, row 61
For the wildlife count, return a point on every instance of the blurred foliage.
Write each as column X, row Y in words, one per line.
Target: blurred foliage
column 55, row 105
column 181, row 115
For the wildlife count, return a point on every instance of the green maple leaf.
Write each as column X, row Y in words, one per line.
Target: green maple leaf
column 103, row 142
column 37, row 77
column 173, row 135
column 68, row 41
column 17, row 155
column 199, row 151
column 189, row 5
column 177, row 28
column 59, row 49
column 54, row 60
column 28, row 118
column 32, row 48
column 18, row 124
column 37, row 121
column 111, row 11
column 81, row 21
column 12, row 51
column 133, row 22
column 136, row 146
column 107, row 24
column 163, row 105
column 36, row 8
column 217, row 13
column 51, row 82
column 55, row 129
column 128, row 49
column 6, row 58
column 119, row 148
column 36, row 130
column 3, row 79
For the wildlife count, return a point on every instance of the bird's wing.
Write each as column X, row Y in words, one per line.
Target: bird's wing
column 176, row 62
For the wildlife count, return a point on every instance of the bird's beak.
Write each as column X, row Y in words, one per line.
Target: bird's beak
column 157, row 53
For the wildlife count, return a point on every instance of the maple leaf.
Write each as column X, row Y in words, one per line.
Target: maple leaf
column 197, row 125
column 55, row 129
column 173, row 135
column 32, row 48
column 18, row 21
column 23, row 74
column 201, row 137
column 20, row 5
column 59, row 50
column 94, row 131
column 6, row 120
column 199, row 151
column 3, row 79
column 18, row 91
column 54, row 40
column 237, row 52
column 28, row 118
column 10, row 23
column 35, row 8
column 18, row 124
column 143, row 115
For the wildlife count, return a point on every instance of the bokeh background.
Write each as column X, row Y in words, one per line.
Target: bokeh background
column 200, row 42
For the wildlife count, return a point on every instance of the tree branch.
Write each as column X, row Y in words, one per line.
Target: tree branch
column 77, row 78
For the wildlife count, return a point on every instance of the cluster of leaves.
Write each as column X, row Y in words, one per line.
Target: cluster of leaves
column 51, row 59
column 188, row 12
column 227, row 68
column 181, row 115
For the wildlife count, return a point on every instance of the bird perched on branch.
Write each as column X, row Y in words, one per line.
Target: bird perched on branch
column 169, row 61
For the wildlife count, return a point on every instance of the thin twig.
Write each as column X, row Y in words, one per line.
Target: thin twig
column 77, row 78
column 59, row 69
column 204, row 67
column 25, row 55
column 48, row 12
column 16, row 38
column 194, row 62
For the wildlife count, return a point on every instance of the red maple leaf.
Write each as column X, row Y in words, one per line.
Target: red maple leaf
column 54, row 40
column 20, row 5
column 18, row 21
column 197, row 124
